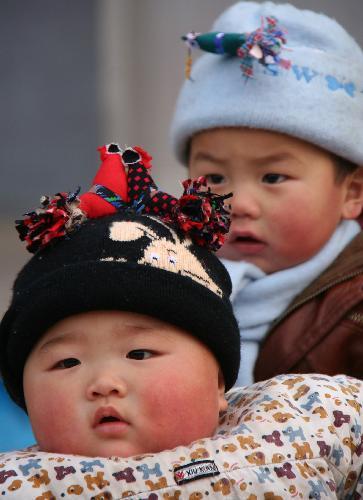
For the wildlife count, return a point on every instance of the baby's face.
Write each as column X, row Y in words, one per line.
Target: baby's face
column 109, row 383
column 286, row 201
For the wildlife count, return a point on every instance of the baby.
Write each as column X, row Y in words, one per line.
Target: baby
column 274, row 115
column 115, row 340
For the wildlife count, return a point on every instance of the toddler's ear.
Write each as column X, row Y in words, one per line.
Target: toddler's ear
column 223, row 405
column 353, row 205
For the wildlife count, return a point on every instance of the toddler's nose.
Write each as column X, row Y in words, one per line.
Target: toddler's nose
column 244, row 203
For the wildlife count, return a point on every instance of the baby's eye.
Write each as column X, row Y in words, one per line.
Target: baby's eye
column 172, row 259
column 274, row 178
column 139, row 354
column 215, row 178
column 63, row 364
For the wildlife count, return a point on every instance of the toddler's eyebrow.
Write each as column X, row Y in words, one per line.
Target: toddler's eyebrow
column 258, row 161
column 204, row 156
column 273, row 158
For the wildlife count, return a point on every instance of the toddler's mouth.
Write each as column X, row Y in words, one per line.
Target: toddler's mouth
column 108, row 419
column 246, row 239
column 246, row 243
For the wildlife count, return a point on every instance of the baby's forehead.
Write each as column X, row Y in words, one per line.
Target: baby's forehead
column 105, row 326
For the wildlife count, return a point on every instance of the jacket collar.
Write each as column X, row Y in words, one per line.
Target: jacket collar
column 348, row 264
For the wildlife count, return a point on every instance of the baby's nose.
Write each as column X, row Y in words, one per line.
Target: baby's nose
column 105, row 385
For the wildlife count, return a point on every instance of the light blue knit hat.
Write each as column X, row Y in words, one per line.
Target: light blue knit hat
column 319, row 99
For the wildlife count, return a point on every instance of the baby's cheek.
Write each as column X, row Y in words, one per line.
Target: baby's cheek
column 180, row 412
column 48, row 416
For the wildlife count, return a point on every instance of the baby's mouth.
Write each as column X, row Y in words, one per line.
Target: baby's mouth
column 106, row 415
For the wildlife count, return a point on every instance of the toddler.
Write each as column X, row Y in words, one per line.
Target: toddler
column 274, row 114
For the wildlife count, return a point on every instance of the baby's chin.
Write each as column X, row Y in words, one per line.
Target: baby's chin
column 114, row 449
column 104, row 450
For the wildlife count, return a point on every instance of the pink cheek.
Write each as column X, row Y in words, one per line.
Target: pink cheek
column 48, row 416
column 161, row 393
column 172, row 404
column 290, row 224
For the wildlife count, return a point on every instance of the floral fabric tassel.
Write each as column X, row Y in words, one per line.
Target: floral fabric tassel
column 263, row 45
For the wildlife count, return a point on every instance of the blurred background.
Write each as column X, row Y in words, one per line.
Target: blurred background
column 76, row 74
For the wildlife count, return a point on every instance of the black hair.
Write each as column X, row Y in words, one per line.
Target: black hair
column 343, row 167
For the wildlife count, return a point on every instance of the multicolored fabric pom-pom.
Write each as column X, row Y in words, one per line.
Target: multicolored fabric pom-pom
column 55, row 218
column 202, row 214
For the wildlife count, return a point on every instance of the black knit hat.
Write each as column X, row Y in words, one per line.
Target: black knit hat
column 128, row 261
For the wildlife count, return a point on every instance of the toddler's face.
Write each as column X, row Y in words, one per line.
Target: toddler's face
column 286, row 202
column 109, row 383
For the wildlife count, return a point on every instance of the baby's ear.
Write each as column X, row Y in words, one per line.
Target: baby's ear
column 353, row 205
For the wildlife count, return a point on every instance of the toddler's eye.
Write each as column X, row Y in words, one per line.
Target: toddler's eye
column 67, row 363
column 274, row 178
column 172, row 260
column 215, row 178
column 139, row 354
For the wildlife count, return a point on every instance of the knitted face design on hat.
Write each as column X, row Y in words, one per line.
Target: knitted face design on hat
column 168, row 252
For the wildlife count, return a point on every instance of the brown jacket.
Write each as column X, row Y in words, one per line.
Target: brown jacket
column 322, row 329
